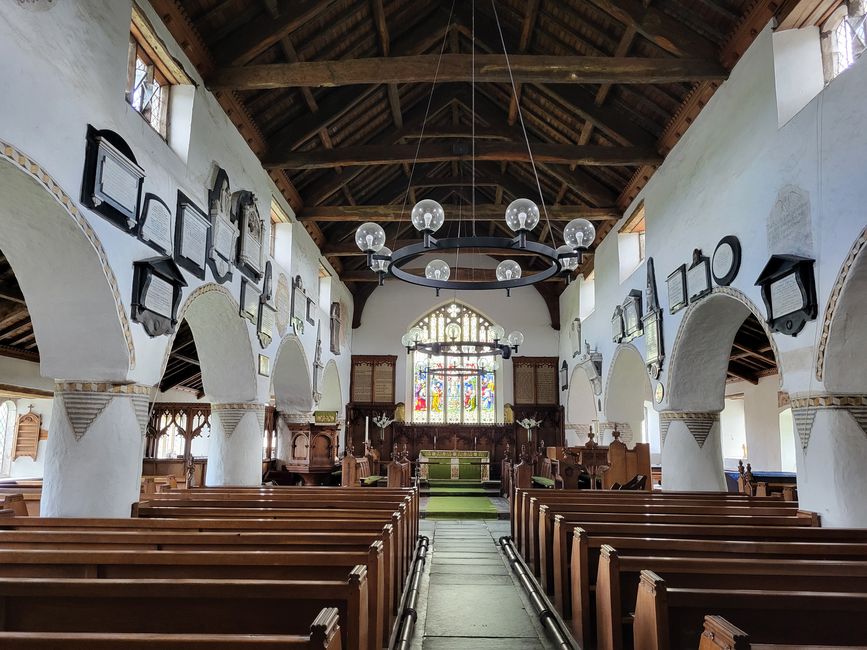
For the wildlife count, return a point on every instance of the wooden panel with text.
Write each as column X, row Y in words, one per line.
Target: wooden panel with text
column 372, row 380
column 535, row 380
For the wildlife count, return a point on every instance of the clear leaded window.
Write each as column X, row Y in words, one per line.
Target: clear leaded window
column 458, row 386
column 148, row 86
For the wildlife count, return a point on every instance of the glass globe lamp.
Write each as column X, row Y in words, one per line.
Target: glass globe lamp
column 508, row 270
column 406, row 341
column 453, row 331
column 428, row 215
column 437, row 270
column 522, row 214
column 496, row 332
column 567, row 263
column 579, row 233
column 515, row 338
column 370, row 237
column 381, row 266
column 415, row 334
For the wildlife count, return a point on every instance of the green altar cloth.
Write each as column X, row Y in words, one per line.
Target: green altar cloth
column 455, row 465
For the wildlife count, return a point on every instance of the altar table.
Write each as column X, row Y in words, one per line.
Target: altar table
column 454, row 464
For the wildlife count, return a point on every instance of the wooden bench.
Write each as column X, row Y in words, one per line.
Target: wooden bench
column 355, row 472
column 617, row 583
column 224, row 565
column 673, row 618
column 587, row 550
column 719, row 634
column 184, row 607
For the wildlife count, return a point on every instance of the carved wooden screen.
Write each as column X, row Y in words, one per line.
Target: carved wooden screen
column 27, row 435
column 535, row 380
column 181, row 422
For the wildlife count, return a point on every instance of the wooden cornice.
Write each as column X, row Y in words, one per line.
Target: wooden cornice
column 459, row 67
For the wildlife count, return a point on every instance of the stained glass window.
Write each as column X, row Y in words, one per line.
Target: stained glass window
column 455, row 387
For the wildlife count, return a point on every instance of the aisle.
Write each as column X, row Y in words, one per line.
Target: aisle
column 469, row 598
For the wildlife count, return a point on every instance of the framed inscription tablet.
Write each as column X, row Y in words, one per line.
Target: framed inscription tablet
column 698, row 276
column 251, row 249
column 655, row 349
column 789, row 291
column 632, row 316
column 676, row 284
column 157, row 225
column 372, row 379
column 192, row 228
column 250, row 299
column 224, row 230
column 726, row 260
column 156, row 294
column 112, row 179
column 617, row 330
column 267, row 324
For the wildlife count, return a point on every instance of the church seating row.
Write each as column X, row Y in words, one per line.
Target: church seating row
column 605, row 545
column 283, row 575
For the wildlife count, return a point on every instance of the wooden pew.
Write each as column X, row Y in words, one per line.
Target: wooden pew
column 575, row 582
column 222, row 565
column 617, row 582
column 587, row 552
column 184, row 607
column 672, row 618
column 719, row 634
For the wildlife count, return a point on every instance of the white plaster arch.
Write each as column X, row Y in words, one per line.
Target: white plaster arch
column 844, row 334
column 291, row 380
column 332, row 399
column 581, row 402
column 79, row 320
column 702, row 348
column 627, row 387
column 223, row 343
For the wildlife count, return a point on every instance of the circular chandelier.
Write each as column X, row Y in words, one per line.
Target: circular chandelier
column 428, row 216
column 414, row 341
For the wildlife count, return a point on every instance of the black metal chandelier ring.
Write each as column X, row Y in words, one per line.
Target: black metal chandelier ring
column 492, row 348
column 401, row 257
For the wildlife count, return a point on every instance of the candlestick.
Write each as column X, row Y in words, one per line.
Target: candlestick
column 366, row 428
column 475, row 440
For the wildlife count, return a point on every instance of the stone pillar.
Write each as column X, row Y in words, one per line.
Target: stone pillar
column 831, row 456
column 691, row 452
column 93, row 458
column 235, row 451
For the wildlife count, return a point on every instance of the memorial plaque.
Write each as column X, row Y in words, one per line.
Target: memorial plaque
column 112, row 179
column 191, row 236
column 283, row 302
column 264, row 365
column 698, row 277
column 632, row 316
column 252, row 228
column 158, row 296
column 267, row 319
column 546, row 385
column 249, row 301
column 676, row 284
column 617, row 329
column 157, row 225
column 362, row 382
column 651, row 332
column 224, row 231
column 786, row 296
column 525, row 392
column 383, row 382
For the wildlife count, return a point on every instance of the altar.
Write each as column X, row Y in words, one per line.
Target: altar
column 454, row 464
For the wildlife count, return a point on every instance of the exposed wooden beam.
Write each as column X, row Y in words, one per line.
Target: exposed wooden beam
column 385, row 44
column 458, row 67
column 445, row 132
column 250, row 40
column 561, row 154
column 394, row 213
column 659, row 28
column 531, row 12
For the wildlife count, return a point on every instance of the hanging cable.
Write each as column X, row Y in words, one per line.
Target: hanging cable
column 424, row 123
column 473, row 111
column 523, row 126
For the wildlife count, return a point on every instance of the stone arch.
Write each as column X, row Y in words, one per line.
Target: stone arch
column 332, row 399
column 627, row 387
column 223, row 343
column 843, row 330
column 700, row 354
column 79, row 320
column 291, row 380
column 581, row 402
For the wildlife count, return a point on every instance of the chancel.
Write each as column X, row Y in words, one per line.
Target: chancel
column 427, row 324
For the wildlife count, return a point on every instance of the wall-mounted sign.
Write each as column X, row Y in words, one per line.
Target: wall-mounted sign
column 112, row 179
column 575, row 337
column 659, row 394
column 325, row 417
column 302, row 311
column 250, row 299
column 264, row 365
column 726, row 260
column 698, row 276
column 157, row 225
column 267, row 324
column 224, row 229
column 251, row 250
column 655, row 348
column 789, row 292
column 283, row 303
column 676, row 284
column 632, row 316
column 268, row 286
column 617, row 330
column 156, row 294
column 191, row 236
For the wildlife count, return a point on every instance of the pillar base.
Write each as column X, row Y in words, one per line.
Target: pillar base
column 691, row 453
column 236, row 448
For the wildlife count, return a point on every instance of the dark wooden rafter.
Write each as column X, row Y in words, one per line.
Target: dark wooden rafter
column 752, row 355
column 183, row 369
column 489, row 68
column 531, row 12
column 17, row 336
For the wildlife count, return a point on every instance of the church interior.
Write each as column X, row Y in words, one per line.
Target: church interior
column 433, row 324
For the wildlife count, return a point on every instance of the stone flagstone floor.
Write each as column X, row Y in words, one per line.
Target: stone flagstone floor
column 469, row 598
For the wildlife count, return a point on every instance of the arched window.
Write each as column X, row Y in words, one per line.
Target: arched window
column 456, row 387
column 8, row 416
